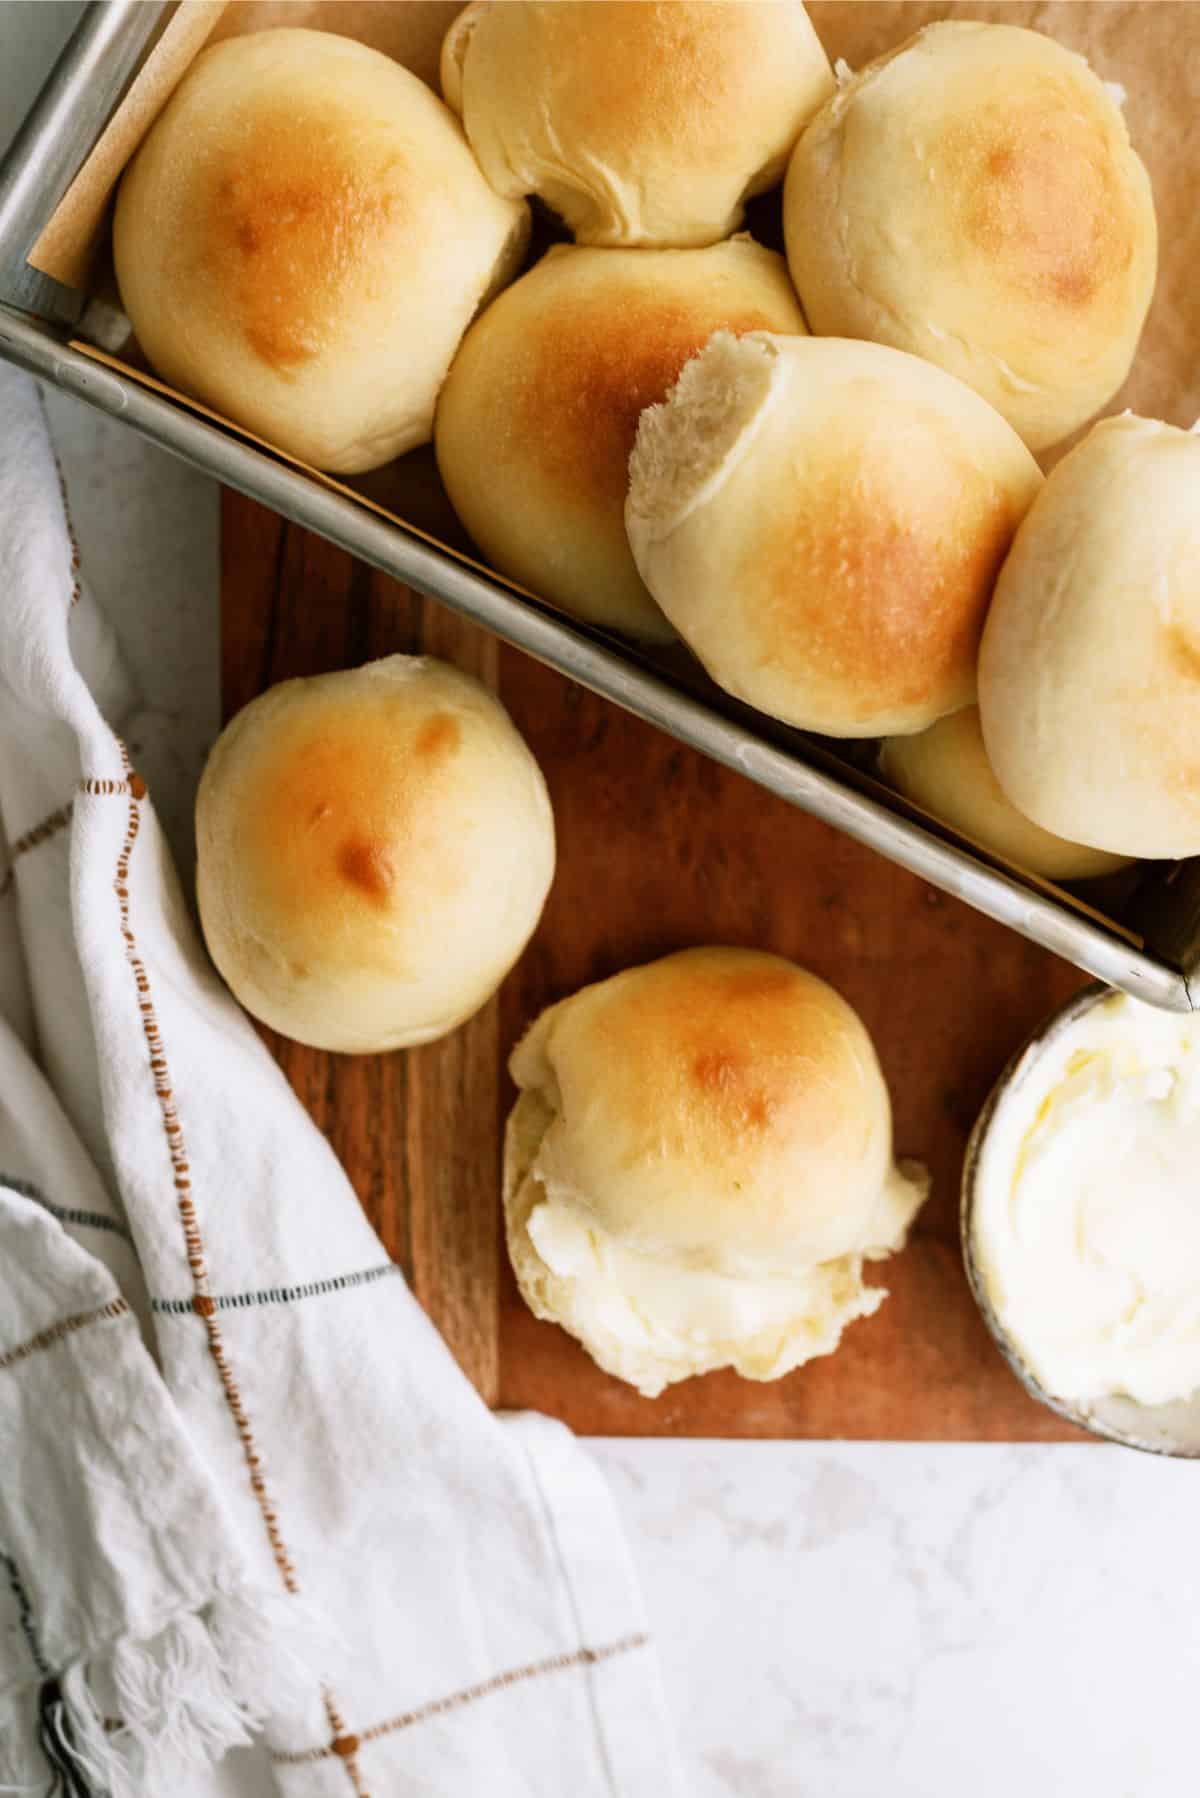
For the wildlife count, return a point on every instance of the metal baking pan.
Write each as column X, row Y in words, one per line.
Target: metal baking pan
column 1149, row 944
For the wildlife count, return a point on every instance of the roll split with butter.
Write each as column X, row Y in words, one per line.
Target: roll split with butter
column 823, row 522
column 697, row 1166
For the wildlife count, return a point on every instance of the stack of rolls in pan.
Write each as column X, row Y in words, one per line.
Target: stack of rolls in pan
column 817, row 467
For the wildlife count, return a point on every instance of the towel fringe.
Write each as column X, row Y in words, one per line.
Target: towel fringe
column 182, row 1698
column 280, row 1647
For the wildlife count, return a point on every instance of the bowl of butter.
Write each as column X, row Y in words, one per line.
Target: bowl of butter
column 1081, row 1219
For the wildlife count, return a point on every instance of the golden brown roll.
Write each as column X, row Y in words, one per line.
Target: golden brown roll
column 1089, row 675
column 640, row 124
column 537, row 417
column 973, row 197
column 301, row 241
column 822, row 521
column 374, row 850
column 945, row 769
column 698, row 1164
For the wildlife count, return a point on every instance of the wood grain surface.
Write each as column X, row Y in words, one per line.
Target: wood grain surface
column 658, row 848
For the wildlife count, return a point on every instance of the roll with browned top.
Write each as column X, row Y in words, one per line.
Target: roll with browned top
column 823, row 522
column 973, row 197
column 641, row 124
column 538, row 416
column 374, row 850
column 697, row 1165
column 301, row 241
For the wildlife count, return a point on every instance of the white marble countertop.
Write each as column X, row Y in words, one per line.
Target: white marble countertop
column 835, row 1621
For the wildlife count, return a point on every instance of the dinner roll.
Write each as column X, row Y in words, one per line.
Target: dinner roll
column 1089, row 676
column 697, row 1165
column 646, row 124
column 822, row 521
column 945, row 769
column 374, row 849
column 301, row 241
column 537, row 417
column 973, row 197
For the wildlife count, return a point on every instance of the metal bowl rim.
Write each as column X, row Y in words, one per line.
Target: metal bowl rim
column 1016, row 1069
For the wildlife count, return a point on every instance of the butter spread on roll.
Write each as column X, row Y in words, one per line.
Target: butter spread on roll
column 1086, row 1223
column 697, row 1166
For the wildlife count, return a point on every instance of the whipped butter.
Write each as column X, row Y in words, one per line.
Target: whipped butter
column 1086, row 1226
column 651, row 1319
column 696, row 1318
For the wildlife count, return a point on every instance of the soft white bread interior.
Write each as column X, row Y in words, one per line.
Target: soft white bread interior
column 697, row 1165
column 823, row 521
column 973, row 197
column 945, row 770
column 537, row 417
column 639, row 124
column 374, row 850
column 1089, row 675
column 301, row 241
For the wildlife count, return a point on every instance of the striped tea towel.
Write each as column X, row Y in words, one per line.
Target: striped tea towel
column 244, row 1490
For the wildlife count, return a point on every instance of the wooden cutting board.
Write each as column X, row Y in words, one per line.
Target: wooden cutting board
column 658, row 848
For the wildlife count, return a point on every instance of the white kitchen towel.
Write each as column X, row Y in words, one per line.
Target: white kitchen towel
column 448, row 1607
